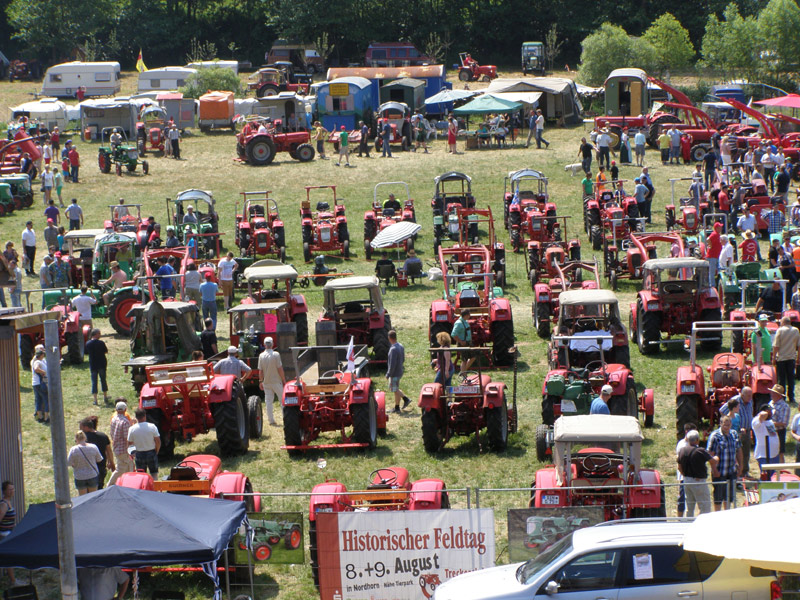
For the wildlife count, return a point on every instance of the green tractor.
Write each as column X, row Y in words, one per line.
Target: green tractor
column 267, row 534
column 122, row 154
column 21, row 190
column 730, row 288
column 6, row 200
column 206, row 230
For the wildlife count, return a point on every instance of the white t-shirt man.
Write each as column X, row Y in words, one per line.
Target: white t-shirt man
column 83, row 303
column 225, row 269
column 143, row 436
column 726, row 256
column 764, row 433
column 41, row 365
column 603, row 140
column 540, row 123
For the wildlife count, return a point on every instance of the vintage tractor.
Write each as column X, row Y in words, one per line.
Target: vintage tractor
column 150, row 129
column 24, row 70
column 270, row 81
column 259, row 228
column 267, row 534
column 475, row 403
column 121, row 155
column 21, row 190
column 127, row 218
column 161, row 333
column 398, row 115
column 187, row 399
column 470, row 70
column 730, row 285
column 355, row 305
column 71, row 336
column 675, row 293
column 7, row 204
column 524, row 190
column 698, row 401
column 469, row 284
column 385, row 213
column 611, row 215
column 470, row 222
column 205, row 211
column 546, row 296
column 750, row 292
column 452, row 192
column 259, row 149
column 606, row 471
column 389, row 488
column 548, row 248
column 623, row 257
column 264, row 279
column 324, row 231
column 330, row 393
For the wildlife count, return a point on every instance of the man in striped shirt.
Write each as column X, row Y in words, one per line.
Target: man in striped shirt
column 120, row 425
column 724, row 444
column 743, row 424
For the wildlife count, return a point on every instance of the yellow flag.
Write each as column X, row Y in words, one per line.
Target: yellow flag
column 140, row 66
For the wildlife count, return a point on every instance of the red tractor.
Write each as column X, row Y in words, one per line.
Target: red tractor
column 355, row 305
column 544, row 256
column 623, row 259
column 270, row 81
column 525, row 190
column 150, row 129
column 675, row 294
column 452, row 192
column 259, row 149
column 473, row 404
column 607, row 473
column 324, row 231
column 71, row 335
column 468, row 284
column 788, row 143
column 545, row 307
column 127, row 218
column 259, row 228
column 187, row 399
column 330, row 394
column 698, row 401
column 389, row 488
column 470, row 70
column 398, row 115
column 471, row 222
column 745, row 312
column 385, row 213
column 611, row 213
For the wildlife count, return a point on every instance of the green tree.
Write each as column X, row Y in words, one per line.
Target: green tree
column 609, row 48
column 211, row 79
column 731, row 45
column 670, row 40
column 778, row 27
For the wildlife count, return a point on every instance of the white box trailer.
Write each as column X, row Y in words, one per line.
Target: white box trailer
column 164, row 79
column 98, row 79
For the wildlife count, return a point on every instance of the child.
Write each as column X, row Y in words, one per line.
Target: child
column 65, row 168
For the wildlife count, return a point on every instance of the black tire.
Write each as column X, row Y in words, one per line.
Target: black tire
column 594, row 219
column 104, row 162
column 541, row 320
column 279, row 235
column 432, row 437
column 367, row 250
column 230, row 422
column 292, row 435
column 312, row 552
column 157, row 418
column 404, row 144
column 497, row 426
column 737, row 342
column 685, row 412
column 649, row 330
column 268, row 89
column 502, row 342
column 698, row 153
column 301, row 322
column 648, row 422
column 612, row 279
column 307, row 234
column 260, row 151
column 25, row 351
column 74, row 353
column 622, row 355
column 365, row 422
column 145, row 167
column 304, row 153
column 596, row 236
column 541, row 442
column 631, row 400
column 118, row 310
column 516, row 243
column 533, row 275
column 346, row 248
column 344, row 233
column 380, row 342
column 464, row 75
column 131, row 166
column 118, row 169
column 548, row 412
column 306, row 252
column 141, row 146
column 575, row 254
column 255, row 417
column 711, row 314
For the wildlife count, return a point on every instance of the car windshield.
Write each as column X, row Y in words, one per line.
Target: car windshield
column 530, row 569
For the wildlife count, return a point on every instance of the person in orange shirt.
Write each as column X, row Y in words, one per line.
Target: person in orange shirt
column 601, row 180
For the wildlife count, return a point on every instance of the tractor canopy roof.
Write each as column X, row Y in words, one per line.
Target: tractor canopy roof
column 153, row 112
column 195, row 196
column 259, row 307
column 629, row 73
column 525, row 173
column 663, row 264
column 118, row 237
column 578, row 297
column 353, row 283
column 269, row 268
column 452, row 176
column 83, row 234
column 400, row 107
column 180, row 308
column 394, row 185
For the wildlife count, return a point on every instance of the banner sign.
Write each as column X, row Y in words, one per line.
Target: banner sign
column 400, row 555
column 276, row 538
column 533, row 530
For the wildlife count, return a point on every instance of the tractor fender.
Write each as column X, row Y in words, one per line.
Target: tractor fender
column 709, row 299
column 493, row 394
column 547, row 485
column 376, row 319
column 441, row 312
column 330, row 496
column 647, row 296
column 762, row 378
column 153, row 397
column 500, row 310
column 794, row 315
column 686, row 376
column 369, row 215
column 541, row 292
column 291, row 394
column 550, row 209
column 618, row 380
column 383, row 418
column 634, row 317
column 220, row 388
column 341, row 219
column 87, row 333
column 298, row 303
column 426, row 494
column 648, row 492
column 277, row 223
column 647, row 402
column 307, row 222
column 507, row 198
column 359, row 393
column 430, row 397
column 229, row 485
column 136, row 480
column 593, row 204
column 499, row 246
column 244, row 226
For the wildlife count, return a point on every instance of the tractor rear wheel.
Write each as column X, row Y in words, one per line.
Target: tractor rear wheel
column 432, row 437
column 541, row 319
column 306, row 252
column 293, row 538
column 497, row 426
column 118, row 311
column 365, row 422
column 464, row 75
column 380, row 341
column 255, row 416
column 367, row 250
column 596, row 235
column 632, row 401
column 25, row 350
column 715, row 341
column 74, row 353
column 548, row 410
column 292, row 435
column 737, row 342
column 502, row 341
column 156, row 417
column 230, row 422
column 304, row 153
column 622, row 355
column 104, row 162
column 685, row 411
column 698, row 153
column 649, row 330
column 301, row 322
column 260, row 150
column 268, row 89
column 541, row 442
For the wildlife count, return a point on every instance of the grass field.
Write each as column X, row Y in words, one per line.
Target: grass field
column 209, row 164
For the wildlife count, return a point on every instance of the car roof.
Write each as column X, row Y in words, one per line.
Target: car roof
column 674, row 263
column 352, row 283
column 629, row 533
column 269, row 268
column 587, row 297
column 597, row 428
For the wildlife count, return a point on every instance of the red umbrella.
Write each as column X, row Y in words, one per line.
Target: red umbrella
column 787, row 101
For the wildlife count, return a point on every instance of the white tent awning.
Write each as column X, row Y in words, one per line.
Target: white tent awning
column 529, row 98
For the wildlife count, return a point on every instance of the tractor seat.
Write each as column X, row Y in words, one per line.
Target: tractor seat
column 183, row 473
column 353, row 308
column 256, row 211
column 323, row 206
column 469, row 299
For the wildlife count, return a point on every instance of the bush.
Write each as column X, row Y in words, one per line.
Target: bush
column 609, row 48
column 213, row 78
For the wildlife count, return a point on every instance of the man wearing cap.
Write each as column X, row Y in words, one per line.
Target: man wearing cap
column 190, row 218
column 786, row 345
column 766, row 437
column 714, row 245
column 724, row 444
column 232, row 365
column 344, row 147
column 116, row 280
column 51, row 234
column 116, row 138
column 118, row 432
column 60, row 272
column 780, row 416
column 600, row 403
column 271, row 376
column 208, row 295
column 761, row 341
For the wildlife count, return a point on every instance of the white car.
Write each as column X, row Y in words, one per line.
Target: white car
column 617, row 560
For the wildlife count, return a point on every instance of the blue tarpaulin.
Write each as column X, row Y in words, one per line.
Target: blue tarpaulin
column 122, row 527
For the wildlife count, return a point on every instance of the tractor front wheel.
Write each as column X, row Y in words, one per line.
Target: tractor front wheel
column 541, row 442
column 74, row 353
column 306, row 252
column 622, row 355
column 145, row 167
column 541, row 319
column 367, row 250
column 304, row 153
column 497, row 426
column 596, row 235
column 260, row 150
column 548, row 410
column 365, row 422
column 230, row 422
column 255, row 416
column 292, row 435
column 104, row 162
column 503, row 341
column 118, row 311
column 293, row 538
column 346, row 248
column 432, row 437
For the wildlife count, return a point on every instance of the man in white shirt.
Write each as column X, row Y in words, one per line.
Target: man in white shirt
column 604, row 148
column 726, row 254
column 146, row 440
column 766, row 436
column 190, row 217
column 225, row 270
column 83, row 304
column 120, row 210
column 29, row 247
column 270, row 371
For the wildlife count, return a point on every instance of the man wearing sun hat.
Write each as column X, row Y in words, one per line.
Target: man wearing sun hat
column 780, row 416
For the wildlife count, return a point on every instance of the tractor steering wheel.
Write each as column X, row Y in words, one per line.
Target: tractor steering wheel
column 198, row 468
column 593, row 366
column 587, row 322
column 391, row 480
column 728, row 362
column 331, row 373
column 668, row 286
column 465, row 376
column 596, row 463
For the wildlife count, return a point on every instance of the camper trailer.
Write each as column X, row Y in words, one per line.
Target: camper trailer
column 223, row 64
column 164, row 79
column 51, row 112
column 97, row 79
